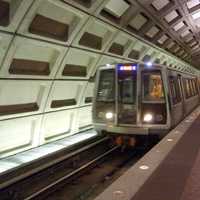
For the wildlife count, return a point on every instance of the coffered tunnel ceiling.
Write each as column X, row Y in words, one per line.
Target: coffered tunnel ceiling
column 173, row 25
column 50, row 50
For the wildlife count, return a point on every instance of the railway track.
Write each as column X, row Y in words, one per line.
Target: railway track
column 98, row 162
column 94, row 180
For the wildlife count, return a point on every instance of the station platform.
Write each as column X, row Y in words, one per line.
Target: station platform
column 46, row 153
column 169, row 171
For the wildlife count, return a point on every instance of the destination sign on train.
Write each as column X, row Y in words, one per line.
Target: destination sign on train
column 127, row 68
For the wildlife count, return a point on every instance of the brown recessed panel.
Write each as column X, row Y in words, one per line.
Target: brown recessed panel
column 18, row 108
column 134, row 54
column 50, row 28
column 146, row 58
column 74, row 70
column 88, row 100
column 90, row 40
column 63, row 103
column 165, row 63
column 116, row 49
column 85, row 3
column 157, row 61
column 4, row 13
column 109, row 16
column 29, row 67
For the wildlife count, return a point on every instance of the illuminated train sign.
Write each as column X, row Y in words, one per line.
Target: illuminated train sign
column 127, row 67
column 133, row 67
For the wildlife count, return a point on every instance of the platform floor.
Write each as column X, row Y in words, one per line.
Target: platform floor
column 17, row 160
column 178, row 176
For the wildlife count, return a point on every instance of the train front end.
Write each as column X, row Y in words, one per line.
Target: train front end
column 124, row 104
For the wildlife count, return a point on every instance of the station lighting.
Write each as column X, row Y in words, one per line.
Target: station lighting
column 149, row 64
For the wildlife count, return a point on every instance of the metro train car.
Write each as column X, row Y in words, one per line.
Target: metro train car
column 138, row 99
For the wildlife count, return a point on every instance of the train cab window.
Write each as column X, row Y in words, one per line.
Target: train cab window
column 153, row 87
column 153, row 98
column 127, row 87
column 174, row 83
column 106, row 89
column 127, row 91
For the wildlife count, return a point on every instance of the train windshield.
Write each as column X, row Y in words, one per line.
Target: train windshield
column 106, row 90
column 153, row 87
column 127, row 88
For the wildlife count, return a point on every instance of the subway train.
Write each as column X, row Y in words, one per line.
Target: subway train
column 142, row 99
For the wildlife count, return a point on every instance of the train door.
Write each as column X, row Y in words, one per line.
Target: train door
column 126, row 95
column 176, row 97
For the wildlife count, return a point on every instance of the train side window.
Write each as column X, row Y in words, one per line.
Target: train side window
column 191, row 87
column 180, row 85
column 175, row 89
column 187, row 88
column 198, row 84
column 153, row 87
column 172, row 89
column 194, row 86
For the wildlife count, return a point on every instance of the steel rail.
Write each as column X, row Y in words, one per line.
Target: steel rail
column 64, row 178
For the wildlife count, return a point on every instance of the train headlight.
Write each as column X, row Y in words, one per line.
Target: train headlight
column 109, row 115
column 148, row 117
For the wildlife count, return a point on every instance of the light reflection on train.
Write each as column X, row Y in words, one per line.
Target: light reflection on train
column 138, row 100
